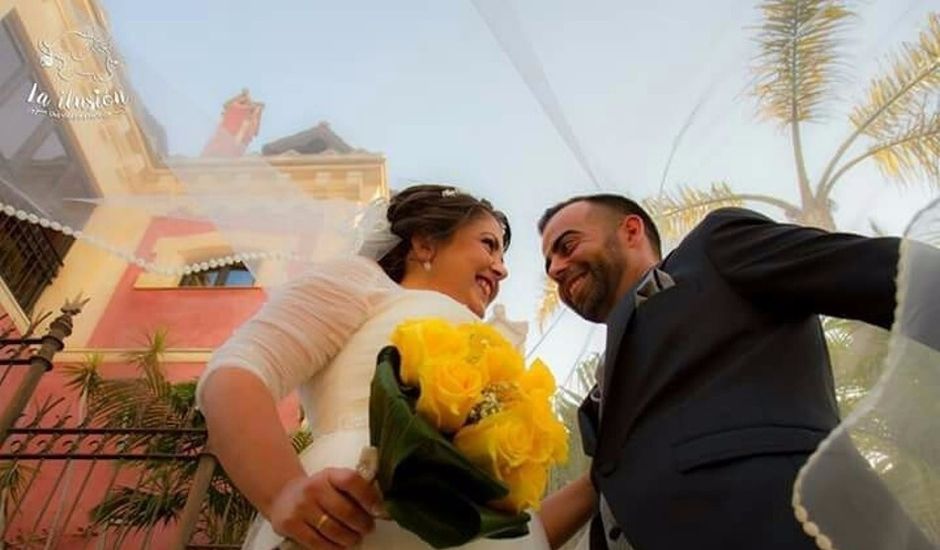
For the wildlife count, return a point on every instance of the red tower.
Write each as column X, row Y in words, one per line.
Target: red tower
column 241, row 118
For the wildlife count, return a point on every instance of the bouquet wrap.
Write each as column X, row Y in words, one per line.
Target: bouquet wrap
column 429, row 487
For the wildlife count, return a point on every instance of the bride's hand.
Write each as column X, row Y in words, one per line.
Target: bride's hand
column 333, row 508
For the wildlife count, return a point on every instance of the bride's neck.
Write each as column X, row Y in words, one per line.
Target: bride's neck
column 417, row 282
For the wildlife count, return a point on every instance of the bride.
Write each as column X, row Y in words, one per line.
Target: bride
column 320, row 334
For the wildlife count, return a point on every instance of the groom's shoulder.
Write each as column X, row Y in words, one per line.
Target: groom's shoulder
column 729, row 215
column 724, row 219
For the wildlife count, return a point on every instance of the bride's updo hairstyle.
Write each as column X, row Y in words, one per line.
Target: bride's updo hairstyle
column 435, row 212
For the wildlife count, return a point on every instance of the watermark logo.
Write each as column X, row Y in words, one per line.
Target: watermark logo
column 85, row 67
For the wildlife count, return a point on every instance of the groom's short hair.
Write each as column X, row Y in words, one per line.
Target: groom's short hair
column 616, row 204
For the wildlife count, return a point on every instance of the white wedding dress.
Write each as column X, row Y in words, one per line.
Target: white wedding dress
column 320, row 335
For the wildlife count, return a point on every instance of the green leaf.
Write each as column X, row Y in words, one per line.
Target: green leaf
column 429, row 487
column 431, row 509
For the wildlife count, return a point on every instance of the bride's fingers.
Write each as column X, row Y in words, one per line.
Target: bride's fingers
column 346, row 511
column 302, row 535
column 360, row 490
column 334, row 531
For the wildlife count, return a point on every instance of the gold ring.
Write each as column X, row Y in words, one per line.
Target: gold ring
column 322, row 521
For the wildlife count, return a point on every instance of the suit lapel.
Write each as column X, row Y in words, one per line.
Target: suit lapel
column 616, row 326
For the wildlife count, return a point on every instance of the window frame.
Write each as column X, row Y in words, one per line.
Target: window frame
column 222, row 275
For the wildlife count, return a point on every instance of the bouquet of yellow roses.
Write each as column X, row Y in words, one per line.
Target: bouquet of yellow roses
column 465, row 433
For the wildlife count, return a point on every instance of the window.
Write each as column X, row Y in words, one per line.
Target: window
column 229, row 275
column 34, row 155
column 10, row 60
column 18, row 123
column 29, row 259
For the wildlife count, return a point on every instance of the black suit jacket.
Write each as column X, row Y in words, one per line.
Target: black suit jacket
column 718, row 388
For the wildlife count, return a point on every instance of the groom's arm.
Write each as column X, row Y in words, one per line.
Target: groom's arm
column 567, row 510
column 804, row 270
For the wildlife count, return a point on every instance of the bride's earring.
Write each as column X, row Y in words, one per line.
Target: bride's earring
column 427, row 265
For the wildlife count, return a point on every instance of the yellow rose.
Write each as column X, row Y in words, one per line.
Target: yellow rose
column 425, row 339
column 538, row 383
column 551, row 439
column 449, row 389
column 483, row 335
column 526, row 487
column 537, row 390
column 503, row 440
column 477, row 442
column 503, row 364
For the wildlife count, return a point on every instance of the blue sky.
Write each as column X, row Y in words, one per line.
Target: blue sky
column 426, row 83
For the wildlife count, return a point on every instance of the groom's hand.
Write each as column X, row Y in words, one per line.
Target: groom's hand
column 333, row 508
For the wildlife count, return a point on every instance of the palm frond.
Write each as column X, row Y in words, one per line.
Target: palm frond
column 913, row 151
column 578, row 463
column 900, row 114
column 914, row 75
column 226, row 513
column 130, row 402
column 838, row 332
column 857, row 353
column 158, row 499
column 116, row 402
column 85, row 377
column 799, row 57
column 677, row 213
column 14, row 476
column 182, row 401
column 149, row 362
column 549, row 302
column 584, row 377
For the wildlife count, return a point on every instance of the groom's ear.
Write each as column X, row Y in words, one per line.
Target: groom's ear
column 631, row 230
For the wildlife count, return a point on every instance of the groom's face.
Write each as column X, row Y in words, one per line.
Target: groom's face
column 583, row 255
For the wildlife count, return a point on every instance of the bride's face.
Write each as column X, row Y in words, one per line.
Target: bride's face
column 469, row 267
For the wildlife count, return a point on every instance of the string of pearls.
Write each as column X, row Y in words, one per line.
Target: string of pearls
column 130, row 257
column 810, row 527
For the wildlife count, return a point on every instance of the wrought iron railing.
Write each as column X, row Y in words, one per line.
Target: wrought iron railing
column 30, row 258
column 121, row 466
column 115, row 487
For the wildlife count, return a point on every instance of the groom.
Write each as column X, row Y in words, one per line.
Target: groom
column 716, row 385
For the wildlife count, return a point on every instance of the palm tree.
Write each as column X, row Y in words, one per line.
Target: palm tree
column 896, row 125
column 13, row 484
column 147, row 401
column 158, row 497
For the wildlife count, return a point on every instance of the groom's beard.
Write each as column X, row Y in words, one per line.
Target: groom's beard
column 594, row 299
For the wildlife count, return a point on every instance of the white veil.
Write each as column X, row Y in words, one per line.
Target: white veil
column 259, row 215
column 889, row 500
column 523, row 102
